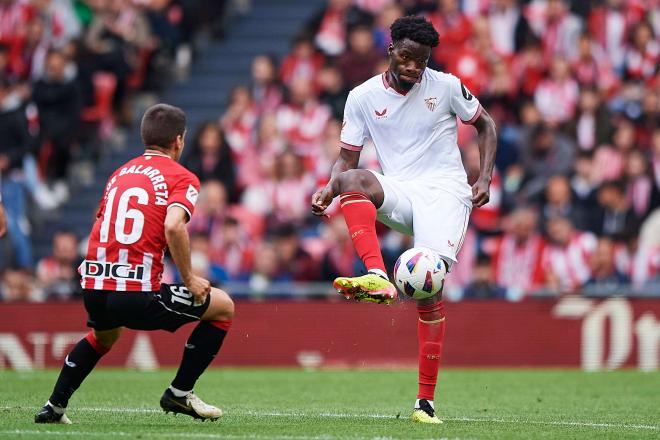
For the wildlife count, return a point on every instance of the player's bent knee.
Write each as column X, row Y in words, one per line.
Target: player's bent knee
column 354, row 180
column 221, row 307
column 102, row 341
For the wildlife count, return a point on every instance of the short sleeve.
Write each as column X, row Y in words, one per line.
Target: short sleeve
column 353, row 128
column 184, row 194
column 463, row 103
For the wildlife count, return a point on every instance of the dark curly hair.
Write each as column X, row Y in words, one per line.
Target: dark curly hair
column 417, row 29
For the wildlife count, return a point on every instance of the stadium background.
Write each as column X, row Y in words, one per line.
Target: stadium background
column 563, row 264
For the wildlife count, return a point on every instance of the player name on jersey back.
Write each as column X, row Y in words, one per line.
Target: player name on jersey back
column 127, row 243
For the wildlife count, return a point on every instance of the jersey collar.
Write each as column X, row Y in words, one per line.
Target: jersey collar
column 387, row 85
column 156, row 154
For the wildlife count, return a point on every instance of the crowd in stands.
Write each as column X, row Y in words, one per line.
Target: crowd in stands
column 68, row 72
column 574, row 87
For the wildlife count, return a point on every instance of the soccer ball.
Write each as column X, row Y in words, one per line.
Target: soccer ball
column 419, row 273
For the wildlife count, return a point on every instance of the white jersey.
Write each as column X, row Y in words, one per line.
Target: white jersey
column 414, row 134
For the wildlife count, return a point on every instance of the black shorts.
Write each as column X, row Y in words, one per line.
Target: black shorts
column 168, row 309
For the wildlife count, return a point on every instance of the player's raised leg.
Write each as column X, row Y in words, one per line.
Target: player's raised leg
column 360, row 195
column 200, row 349
column 77, row 365
column 430, row 336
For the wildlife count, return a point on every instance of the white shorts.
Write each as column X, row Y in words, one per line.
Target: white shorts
column 434, row 216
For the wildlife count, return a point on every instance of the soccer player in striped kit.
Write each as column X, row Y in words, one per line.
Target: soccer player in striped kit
column 145, row 207
column 409, row 112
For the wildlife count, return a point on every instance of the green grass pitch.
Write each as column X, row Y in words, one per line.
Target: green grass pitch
column 284, row 404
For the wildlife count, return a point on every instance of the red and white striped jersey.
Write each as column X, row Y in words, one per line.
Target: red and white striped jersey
column 570, row 263
column 127, row 242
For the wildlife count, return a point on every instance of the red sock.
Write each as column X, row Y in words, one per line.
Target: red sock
column 360, row 215
column 430, row 334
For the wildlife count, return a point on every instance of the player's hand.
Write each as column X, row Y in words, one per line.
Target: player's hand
column 321, row 200
column 199, row 287
column 480, row 193
column 3, row 221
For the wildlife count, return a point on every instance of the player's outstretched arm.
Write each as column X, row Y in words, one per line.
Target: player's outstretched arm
column 347, row 160
column 487, row 147
column 178, row 242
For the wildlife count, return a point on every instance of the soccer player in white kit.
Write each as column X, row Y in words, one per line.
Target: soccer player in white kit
column 409, row 112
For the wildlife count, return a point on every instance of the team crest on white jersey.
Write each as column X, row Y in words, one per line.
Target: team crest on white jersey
column 192, row 194
column 431, row 103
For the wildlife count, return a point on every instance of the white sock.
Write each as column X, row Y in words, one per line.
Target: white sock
column 57, row 409
column 378, row 272
column 429, row 401
column 179, row 393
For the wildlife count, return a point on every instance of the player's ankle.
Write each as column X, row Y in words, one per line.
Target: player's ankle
column 428, row 400
column 56, row 408
column 380, row 272
column 178, row 393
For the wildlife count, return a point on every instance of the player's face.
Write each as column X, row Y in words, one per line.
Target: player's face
column 408, row 60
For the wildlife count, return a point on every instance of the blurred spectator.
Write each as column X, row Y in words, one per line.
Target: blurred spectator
column 509, row 29
column 529, row 68
column 615, row 218
column 339, row 257
column 115, row 38
column 302, row 119
column 605, row 279
column 556, row 26
column 59, row 101
column 333, row 91
column 517, row 254
column 211, row 209
column 384, row 19
column 259, row 163
column 557, row 96
column 641, row 191
column 18, row 285
column 454, row 30
column 591, row 126
column 16, row 143
column 565, row 260
column 294, row 262
column 328, row 27
column 610, row 25
column 285, row 198
column 643, row 54
column 266, row 93
column 591, row 67
column 210, row 158
column 559, row 202
column 58, row 273
column 239, row 121
column 358, row 62
column 583, row 183
column 545, row 153
column 232, row 250
column 483, row 286
column 265, row 271
column 303, row 63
